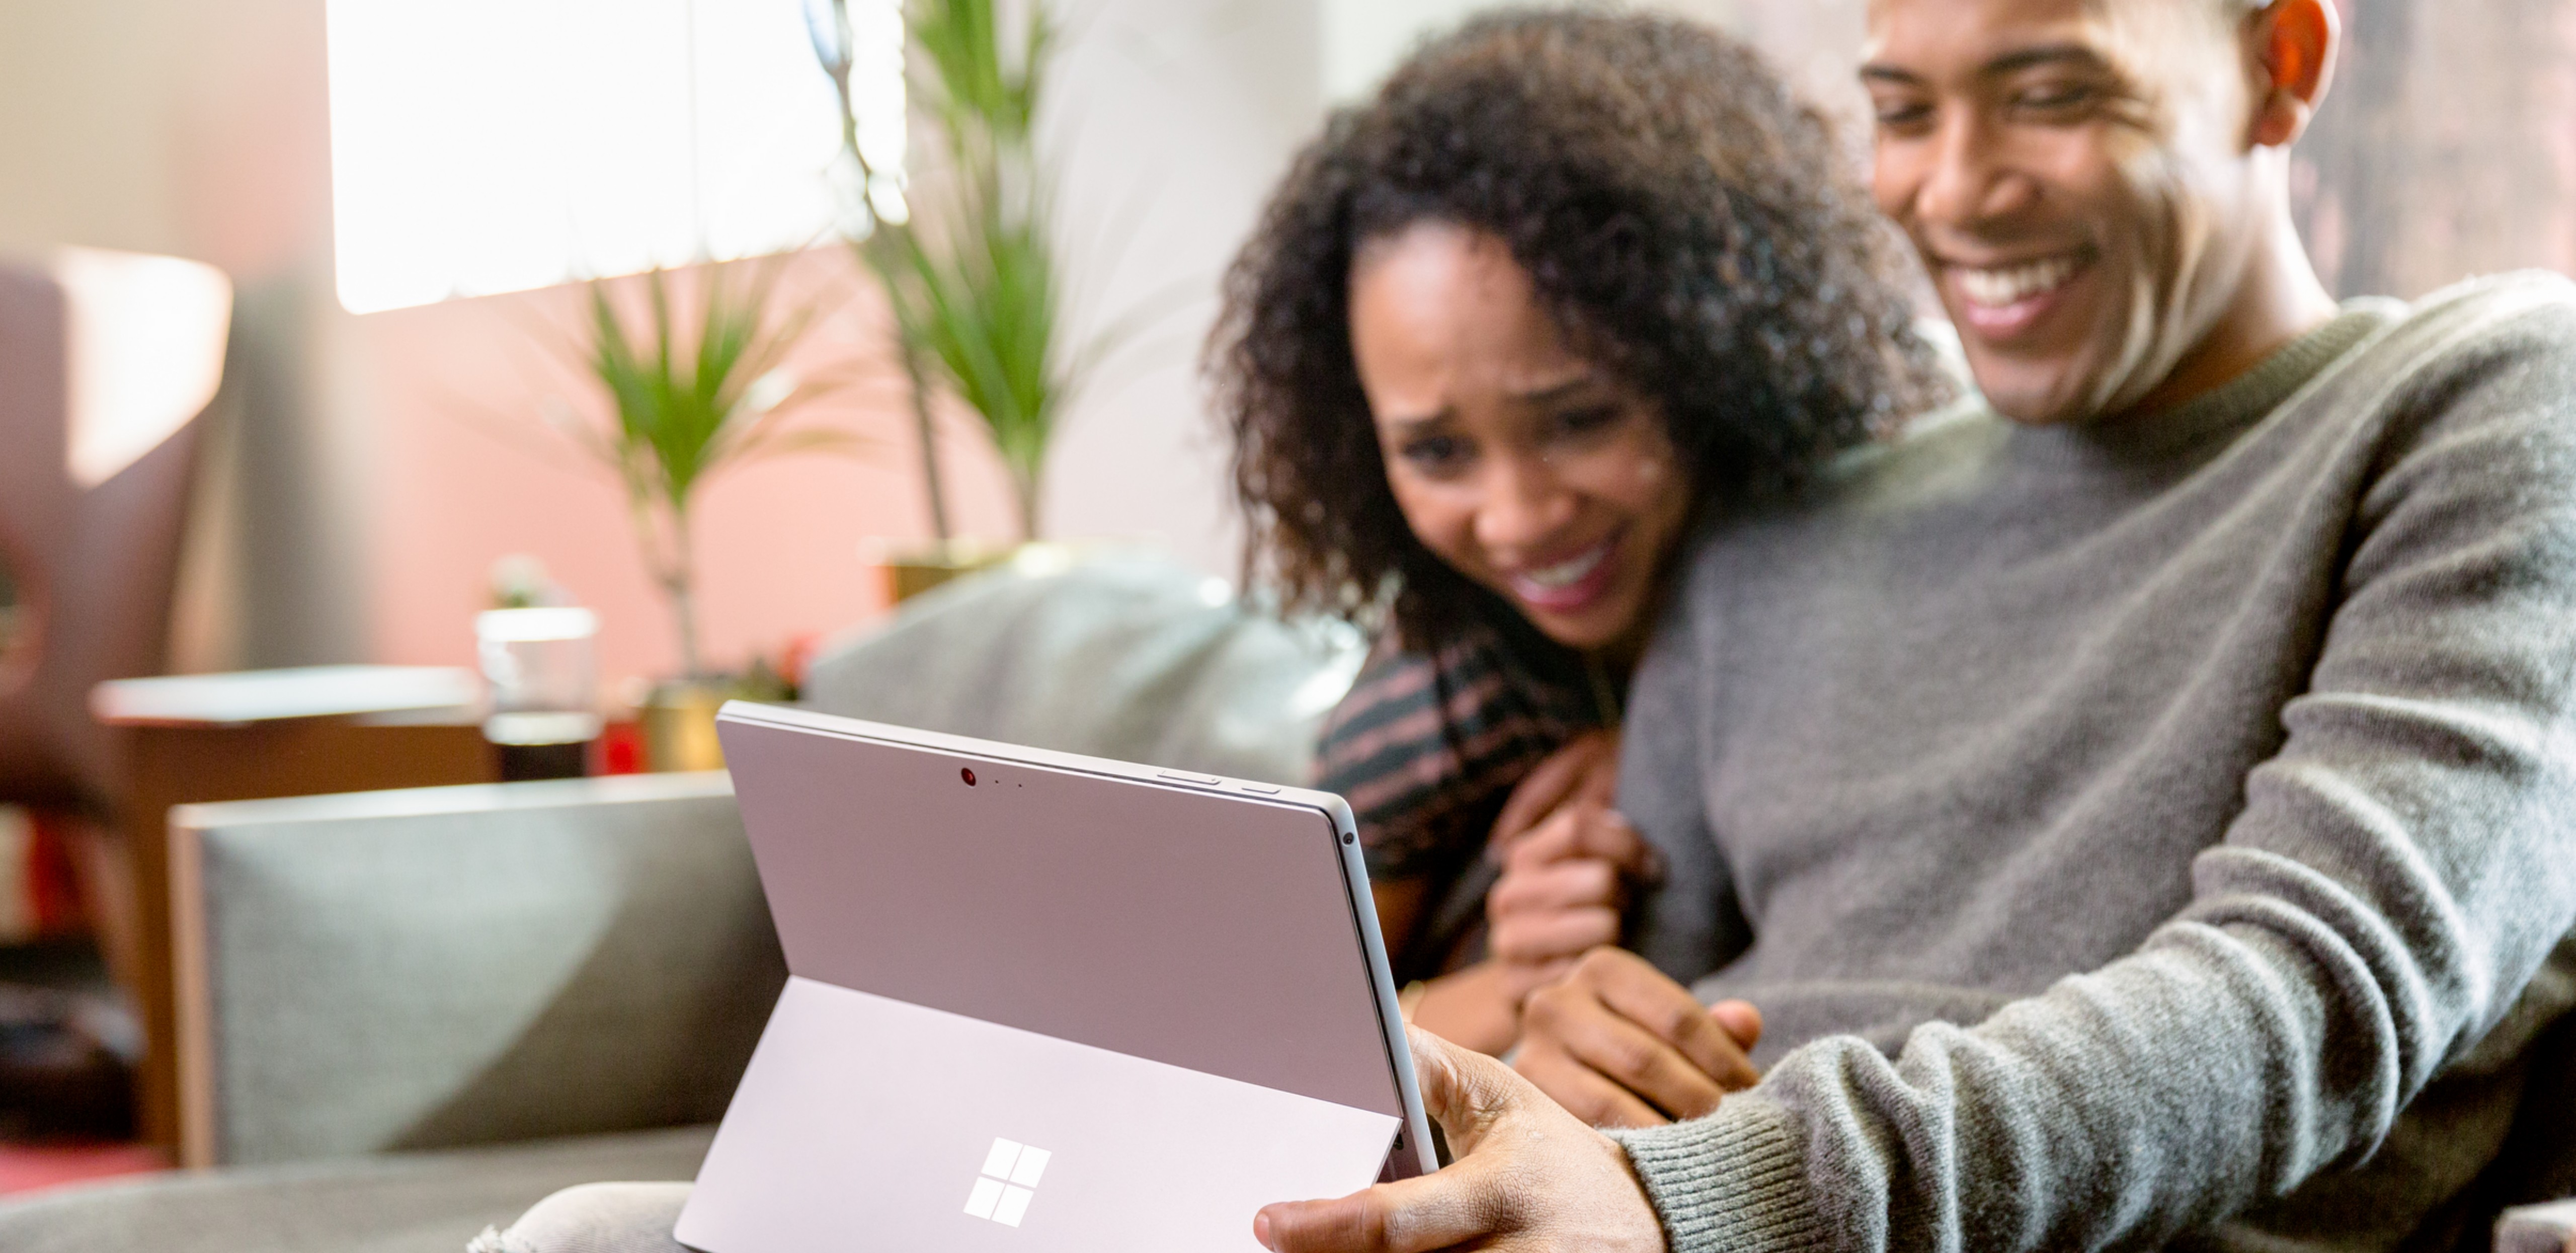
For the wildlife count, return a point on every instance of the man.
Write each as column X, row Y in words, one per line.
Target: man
column 2144, row 809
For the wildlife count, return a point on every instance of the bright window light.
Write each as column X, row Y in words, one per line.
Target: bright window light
column 482, row 146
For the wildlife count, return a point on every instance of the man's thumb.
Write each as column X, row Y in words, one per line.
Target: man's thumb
column 1459, row 1087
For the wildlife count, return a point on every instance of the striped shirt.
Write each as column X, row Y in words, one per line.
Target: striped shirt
column 1428, row 747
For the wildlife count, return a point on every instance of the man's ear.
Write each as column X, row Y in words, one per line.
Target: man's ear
column 2293, row 43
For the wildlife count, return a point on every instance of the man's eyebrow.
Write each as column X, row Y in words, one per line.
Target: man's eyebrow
column 2012, row 62
column 2020, row 59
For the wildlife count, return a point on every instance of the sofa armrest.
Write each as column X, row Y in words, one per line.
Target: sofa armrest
column 452, row 966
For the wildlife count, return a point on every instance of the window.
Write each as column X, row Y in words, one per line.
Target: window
column 482, row 146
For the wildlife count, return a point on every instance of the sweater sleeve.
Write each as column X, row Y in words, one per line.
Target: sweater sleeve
column 2399, row 871
column 1687, row 924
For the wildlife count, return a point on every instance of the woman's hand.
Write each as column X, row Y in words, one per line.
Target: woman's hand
column 1527, row 1178
column 1560, row 897
column 1563, row 889
column 1567, row 860
column 1583, row 769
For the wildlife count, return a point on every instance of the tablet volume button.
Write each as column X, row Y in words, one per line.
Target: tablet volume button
column 1203, row 780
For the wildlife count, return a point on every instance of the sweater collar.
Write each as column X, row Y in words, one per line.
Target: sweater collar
column 2217, row 415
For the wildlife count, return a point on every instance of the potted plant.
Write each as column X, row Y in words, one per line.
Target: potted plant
column 691, row 395
column 971, row 273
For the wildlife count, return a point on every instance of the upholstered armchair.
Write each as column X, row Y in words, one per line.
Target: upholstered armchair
column 107, row 363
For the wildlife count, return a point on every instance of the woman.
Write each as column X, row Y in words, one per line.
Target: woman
column 1503, row 334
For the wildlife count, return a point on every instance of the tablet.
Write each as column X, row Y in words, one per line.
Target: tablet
column 1037, row 1000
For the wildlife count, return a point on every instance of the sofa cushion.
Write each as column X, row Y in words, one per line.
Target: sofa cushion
column 1117, row 654
column 393, row 1203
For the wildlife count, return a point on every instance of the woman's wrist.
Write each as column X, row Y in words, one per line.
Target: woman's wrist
column 1476, row 1008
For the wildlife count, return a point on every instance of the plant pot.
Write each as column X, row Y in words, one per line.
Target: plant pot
column 911, row 569
column 679, row 719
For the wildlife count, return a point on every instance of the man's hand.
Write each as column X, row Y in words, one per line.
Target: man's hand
column 1527, row 1177
column 1619, row 1045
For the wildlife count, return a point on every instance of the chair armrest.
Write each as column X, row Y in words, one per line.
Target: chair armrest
column 465, row 965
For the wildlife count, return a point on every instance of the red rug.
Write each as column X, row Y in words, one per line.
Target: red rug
column 28, row 1167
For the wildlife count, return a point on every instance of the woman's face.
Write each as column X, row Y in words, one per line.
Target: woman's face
column 1530, row 470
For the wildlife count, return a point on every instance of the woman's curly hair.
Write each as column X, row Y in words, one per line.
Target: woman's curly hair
column 1680, row 214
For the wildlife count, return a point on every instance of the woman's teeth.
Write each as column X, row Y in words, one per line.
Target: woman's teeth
column 2010, row 285
column 1567, row 573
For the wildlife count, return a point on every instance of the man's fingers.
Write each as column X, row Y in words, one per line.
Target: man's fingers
column 1409, row 1216
column 1640, row 994
column 1466, row 1092
column 1624, row 1053
column 1557, row 935
column 1584, row 1092
column 1741, row 1020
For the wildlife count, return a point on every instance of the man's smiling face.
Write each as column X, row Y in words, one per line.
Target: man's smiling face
column 2078, row 177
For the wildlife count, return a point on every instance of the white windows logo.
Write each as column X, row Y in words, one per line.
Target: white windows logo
column 1011, row 1173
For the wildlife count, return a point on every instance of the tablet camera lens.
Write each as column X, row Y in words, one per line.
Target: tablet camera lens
column 968, row 774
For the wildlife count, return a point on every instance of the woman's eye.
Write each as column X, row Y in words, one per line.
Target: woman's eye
column 1435, row 454
column 1579, row 422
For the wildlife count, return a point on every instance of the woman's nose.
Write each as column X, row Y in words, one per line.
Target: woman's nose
column 1524, row 504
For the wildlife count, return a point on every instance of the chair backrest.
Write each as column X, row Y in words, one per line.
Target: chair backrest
column 94, row 557
column 451, row 966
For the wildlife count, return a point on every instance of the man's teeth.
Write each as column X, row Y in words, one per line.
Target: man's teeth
column 1567, row 573
column 2009, row 285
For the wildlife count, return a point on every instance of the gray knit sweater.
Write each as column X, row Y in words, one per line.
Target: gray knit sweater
column 2142, row 833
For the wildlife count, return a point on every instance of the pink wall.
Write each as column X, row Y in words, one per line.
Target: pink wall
column 472, row 471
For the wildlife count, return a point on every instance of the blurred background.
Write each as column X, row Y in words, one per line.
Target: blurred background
column 327, row 327
column 369, row 466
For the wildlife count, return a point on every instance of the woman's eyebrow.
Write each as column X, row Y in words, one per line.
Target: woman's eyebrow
column 1546, row 392
column 1405, row 424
